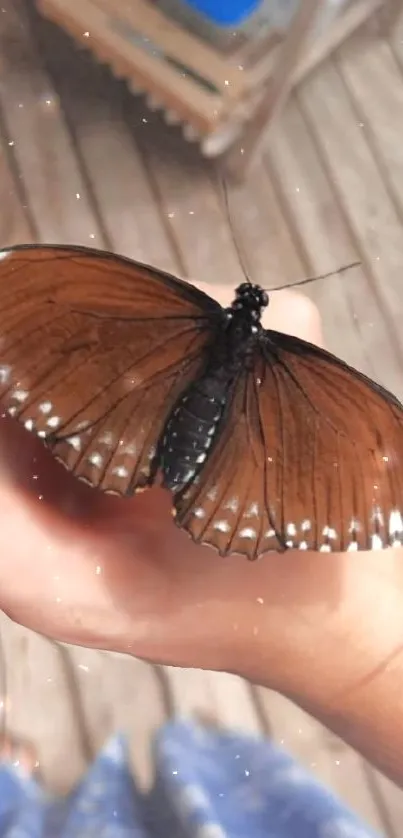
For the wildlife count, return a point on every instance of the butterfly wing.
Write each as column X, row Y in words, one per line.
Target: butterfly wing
column 94, row 351
column 310, row 456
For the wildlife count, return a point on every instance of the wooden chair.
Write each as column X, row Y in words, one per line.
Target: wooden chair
column 224, row 100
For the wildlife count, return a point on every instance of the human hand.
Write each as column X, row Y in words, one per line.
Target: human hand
column 94, row 570
column 91, row 569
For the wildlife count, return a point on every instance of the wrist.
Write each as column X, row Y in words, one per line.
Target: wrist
column 333, row 642
column 344, row 612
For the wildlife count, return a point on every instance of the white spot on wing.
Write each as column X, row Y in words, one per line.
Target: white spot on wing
column 352, row 547
column 5, row 371
column 129, row 449
column 232, row 504
column 199, row 512
column 75, row 442
column 377, row 516
column 54, row 422
column 29, row 424
column 354, row 526
column 253, row 510
column 20, row 395
column 45, row 407
column 84, row 425
column 329, row 532
column 120, row 471
column 395, row 522
column 4, row 254
column 96, row 459
column 248, row 532
column 222, row 526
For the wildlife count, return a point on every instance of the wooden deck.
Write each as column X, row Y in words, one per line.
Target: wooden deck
column 82, row 161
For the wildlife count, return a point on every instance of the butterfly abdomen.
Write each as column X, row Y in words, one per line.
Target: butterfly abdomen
column 192, row 428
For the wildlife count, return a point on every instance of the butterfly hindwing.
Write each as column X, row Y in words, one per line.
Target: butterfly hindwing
column 309, row 456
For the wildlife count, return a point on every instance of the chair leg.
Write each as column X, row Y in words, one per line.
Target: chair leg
column 238, row 159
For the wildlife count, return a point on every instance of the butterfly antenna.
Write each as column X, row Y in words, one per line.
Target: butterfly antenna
column 315, row 278
column 233, row 237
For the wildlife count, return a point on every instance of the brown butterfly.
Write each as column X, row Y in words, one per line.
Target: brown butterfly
column 265, row 441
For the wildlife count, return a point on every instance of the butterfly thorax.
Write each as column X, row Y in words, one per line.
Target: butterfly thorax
column 195, row 422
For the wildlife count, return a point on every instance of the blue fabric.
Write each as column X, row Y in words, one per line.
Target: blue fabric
column 225, row 12
column 208, row 784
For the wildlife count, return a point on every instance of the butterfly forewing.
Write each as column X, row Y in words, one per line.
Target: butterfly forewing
column 309, row 456
column 95, row 350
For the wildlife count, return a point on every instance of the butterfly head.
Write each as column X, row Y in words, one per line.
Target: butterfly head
column 251, row 299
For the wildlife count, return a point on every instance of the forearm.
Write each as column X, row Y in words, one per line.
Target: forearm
column 339, row 655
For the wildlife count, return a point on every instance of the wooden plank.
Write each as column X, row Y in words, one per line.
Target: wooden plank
column 122, row 694
column 94, row 104
column 262, row 232
column 312, row 211
column 40, row 708
column 375, row 84
column 192, row 200
column 189, row 201
column 42, row 145
column 14, row 225
column 372, row 218
column 354, row 327
column 336, row 765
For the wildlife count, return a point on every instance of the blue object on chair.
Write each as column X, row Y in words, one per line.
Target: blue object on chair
column 225, row 12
